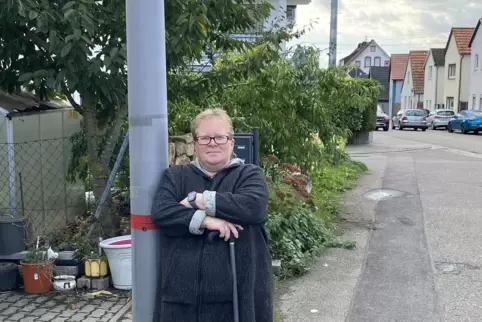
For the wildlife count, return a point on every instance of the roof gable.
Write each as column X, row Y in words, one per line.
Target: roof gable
column 359, row 50
column 475, row 32
column 398, row 66
column 462, row 37
column 438, row 55
column 417, row 63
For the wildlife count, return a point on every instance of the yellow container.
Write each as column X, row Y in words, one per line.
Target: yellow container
column 96, row 267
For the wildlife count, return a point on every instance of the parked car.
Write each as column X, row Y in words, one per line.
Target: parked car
column 410, row 119
column 383, row 120
column 466, row 121
column 439, row 118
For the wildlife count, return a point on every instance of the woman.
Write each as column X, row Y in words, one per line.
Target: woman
column 214, row 193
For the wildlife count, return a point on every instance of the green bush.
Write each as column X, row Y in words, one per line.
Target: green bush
column 299, row 222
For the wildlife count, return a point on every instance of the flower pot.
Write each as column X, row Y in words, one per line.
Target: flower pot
column 37, row 278
column 8, row 276
column 119, row 252
column 96, row 267
column 64, row 283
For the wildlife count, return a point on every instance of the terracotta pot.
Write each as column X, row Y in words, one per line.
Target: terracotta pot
column 37, row 278
column 96, row 267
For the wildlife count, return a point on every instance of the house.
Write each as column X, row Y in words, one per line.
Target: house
column 366, row 55
column 434, row 79
column 398, row 65
column 457, row 68
column 382, row 75
column 413, row 82
column 475, row 78
column 283, row 13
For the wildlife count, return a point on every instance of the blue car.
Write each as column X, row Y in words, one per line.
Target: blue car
column 466, row 121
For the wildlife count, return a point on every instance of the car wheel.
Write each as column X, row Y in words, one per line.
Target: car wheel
column 462, row 129
column 449, row 128
column 385, row 128
column 424, row 129
column 400, row 128
column 393, row 126
column 433, row 126
column 415, row 128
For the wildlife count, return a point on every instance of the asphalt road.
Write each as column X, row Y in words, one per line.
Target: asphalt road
column 418, row 255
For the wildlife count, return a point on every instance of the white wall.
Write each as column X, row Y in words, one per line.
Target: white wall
column 430, row 82
column 440, row 85
column 451, row 85
column 368, row 53
column 406, row 97
column 476, row 73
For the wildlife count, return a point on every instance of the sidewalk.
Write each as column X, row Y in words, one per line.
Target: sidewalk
column 55, row 307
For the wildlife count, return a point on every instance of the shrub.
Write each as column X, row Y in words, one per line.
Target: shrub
column 298, row 224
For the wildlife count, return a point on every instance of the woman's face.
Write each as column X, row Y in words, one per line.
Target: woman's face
column 214, row 144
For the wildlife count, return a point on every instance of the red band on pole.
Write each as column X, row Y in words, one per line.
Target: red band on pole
column 142, row 222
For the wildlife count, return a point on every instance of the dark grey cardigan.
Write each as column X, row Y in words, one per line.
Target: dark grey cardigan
column 196, row 283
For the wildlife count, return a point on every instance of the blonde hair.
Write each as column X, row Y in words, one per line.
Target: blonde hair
column 212, row 112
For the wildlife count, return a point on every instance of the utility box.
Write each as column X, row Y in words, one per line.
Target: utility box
column 246, row 146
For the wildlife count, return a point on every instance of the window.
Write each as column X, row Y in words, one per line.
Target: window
column 473, row 102
column 450, row 102
column 387, row 62
column 291, row 13
column 430, row 72
column 451, row 71
column 408, row 78
column 446, row 113
column 377, row 61
column 368, row 61
column 358, row 63
column 373, row 48
column 476, row 62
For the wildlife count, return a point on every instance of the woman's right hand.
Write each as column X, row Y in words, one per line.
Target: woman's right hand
column 224, row 227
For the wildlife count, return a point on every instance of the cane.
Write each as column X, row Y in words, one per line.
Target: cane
column 232, row 253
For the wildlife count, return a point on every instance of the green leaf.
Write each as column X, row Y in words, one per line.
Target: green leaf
column 41, row 73
column 113, row 52
column 77, row 34
column 25, row 77
column 66, row 50
column 68, row 13
column 32, row 15
column 69, row 38
column 68, row 5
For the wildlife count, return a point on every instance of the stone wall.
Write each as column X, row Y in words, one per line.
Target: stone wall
column 181, row 149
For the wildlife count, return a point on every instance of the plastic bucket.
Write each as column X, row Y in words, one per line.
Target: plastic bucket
column 119, row 253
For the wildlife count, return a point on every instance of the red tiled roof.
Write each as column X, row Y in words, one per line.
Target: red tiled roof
column 462, row 39
column 417, row 62
column 398, row 65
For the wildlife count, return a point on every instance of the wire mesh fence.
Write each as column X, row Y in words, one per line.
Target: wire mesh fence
column 37, row 185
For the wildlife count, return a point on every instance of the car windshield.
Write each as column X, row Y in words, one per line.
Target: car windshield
column 415, row 113
column 446, row 113
column 475, row 112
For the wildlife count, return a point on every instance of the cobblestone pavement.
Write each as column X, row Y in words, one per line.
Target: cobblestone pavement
column 56, row 307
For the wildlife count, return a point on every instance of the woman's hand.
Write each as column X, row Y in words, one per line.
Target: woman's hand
column 224, row 227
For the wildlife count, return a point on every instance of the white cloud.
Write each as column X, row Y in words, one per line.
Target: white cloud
column 397, row 25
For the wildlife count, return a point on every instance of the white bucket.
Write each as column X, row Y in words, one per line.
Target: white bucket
column 119, row 253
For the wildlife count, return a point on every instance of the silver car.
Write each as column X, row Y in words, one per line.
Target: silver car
column 410, row 118
column 439, row 118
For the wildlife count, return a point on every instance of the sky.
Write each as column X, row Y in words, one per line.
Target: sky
column 398, row 26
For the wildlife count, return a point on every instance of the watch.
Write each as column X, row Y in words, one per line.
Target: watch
column 191, row 197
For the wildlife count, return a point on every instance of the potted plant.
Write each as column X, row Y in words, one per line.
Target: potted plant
column 37, row 271
column 96, row 264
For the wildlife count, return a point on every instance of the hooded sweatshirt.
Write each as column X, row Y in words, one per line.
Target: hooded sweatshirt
column 195, row 274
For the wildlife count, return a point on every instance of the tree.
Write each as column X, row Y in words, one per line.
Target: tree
column 69, row 46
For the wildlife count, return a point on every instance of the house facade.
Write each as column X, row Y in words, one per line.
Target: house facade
column 366, row 55
column 413, row 82
column 397, row 67
column 457, row 69
column 284, row 12
column 475, row 78
column 434, row 79
column 382, row 75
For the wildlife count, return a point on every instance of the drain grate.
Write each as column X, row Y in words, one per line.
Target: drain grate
column 383, row 194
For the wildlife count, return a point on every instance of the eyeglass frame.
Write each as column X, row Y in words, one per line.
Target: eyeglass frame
column 213, row 138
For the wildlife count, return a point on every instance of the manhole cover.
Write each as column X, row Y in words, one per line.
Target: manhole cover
column 453, row 268
column 383, row 194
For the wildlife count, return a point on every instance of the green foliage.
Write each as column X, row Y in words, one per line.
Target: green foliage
column 298, row 224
